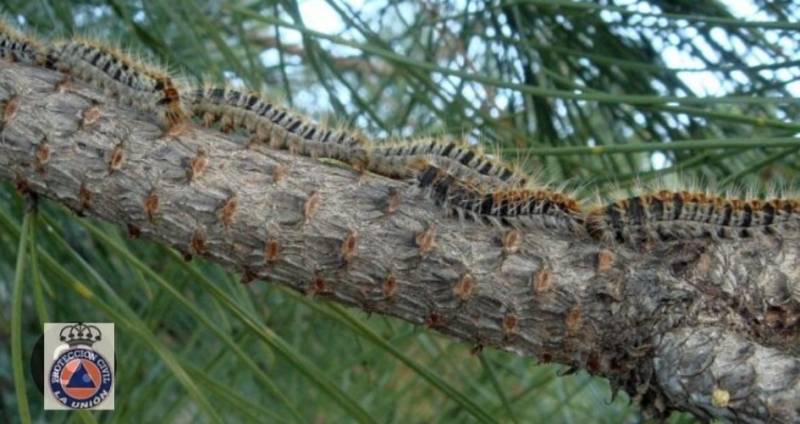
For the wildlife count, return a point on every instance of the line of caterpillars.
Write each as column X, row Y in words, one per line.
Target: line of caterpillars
column 663, row 215
column 151, row 89
column 283, row 129
column 457, row 176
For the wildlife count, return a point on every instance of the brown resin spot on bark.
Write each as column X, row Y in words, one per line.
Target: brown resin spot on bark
column 175, row 129
column 84, row 197
column 389, row 287
column 227, row 211
column 464, row 287
column 510, row 322
column 311, row 206
column 10, row 108
column 349, row 248
column 42, row 155
column 593, row 363
column 272, row 250
column 21, row 184
column 434, row 319
column 573, row 320
column 197, row 166
column 392, row 201
column 90, row 115
column 116, row 159
column 318, row 286
column 151, row 205
column 511, row 241
column 541, row 280
column 279, row 172
column 198, row 244
column 426, row 240
column 774, row 317
column 605, row 260
column 62, row 85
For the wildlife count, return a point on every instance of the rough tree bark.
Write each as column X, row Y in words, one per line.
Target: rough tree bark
column 704, row 326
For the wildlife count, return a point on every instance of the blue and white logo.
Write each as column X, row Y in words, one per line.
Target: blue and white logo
column 79, row 376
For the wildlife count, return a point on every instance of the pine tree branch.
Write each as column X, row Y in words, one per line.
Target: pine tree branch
column 699, row 326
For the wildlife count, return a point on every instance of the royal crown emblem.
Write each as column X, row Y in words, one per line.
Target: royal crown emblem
column 80, row 334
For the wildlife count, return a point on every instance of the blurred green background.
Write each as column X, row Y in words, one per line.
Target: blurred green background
column 597, row 96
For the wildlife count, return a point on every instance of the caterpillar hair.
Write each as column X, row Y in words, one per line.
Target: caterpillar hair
column 464, row 162
column 676, row 215
column 277, row 126
column 20, row 47
column 141, row 85
column 514, row 207
column 267, row 122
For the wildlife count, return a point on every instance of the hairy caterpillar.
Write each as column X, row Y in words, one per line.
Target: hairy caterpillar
column 283, row 129
column 20, row 47
column 277, row 126
column 153, row 90
column 505, row 206
column 674, row 215
column 142, row 85
column 464, row 162
column 473, row 185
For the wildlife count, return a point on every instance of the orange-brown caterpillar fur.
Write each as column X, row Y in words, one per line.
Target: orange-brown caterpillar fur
column 402, row 159
column 504, row 206
column 659, row 216
column 280, row 128
column 675, row 215
column 276, row 125
column 142, row 85
column 456, row 175
column 20, row 47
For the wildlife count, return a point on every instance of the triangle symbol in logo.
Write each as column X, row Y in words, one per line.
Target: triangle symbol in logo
column 80, row 379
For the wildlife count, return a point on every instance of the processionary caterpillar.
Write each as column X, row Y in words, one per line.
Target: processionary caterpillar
column 283, row 129
column 276, row 126
column 516, row 207
column 397, row 160
column 676, row 215
column 20, row 47
column 151, row 89
column 144, row 86
column 661, row 216
column 458, row 176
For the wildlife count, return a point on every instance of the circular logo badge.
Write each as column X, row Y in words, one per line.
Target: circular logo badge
column 80, row 378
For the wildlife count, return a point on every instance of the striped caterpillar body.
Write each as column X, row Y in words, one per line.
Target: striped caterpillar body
column 283, row 129
column 19, row 47
column 515, row 207
column 473, row 184
column 277, row 126
column 463, row 162
column 457, row 176
column 677, row 215
column 143, row 86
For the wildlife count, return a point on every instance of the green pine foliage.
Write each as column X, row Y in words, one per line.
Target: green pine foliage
column 595, row 95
